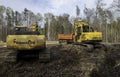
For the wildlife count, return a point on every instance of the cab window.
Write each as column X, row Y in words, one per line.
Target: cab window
column 85, row 28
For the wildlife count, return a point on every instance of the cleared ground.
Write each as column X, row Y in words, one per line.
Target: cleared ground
column 66, row 61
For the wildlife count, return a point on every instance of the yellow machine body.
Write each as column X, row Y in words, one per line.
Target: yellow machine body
column 90, row 36
column 26, row 42
column 84, row 33
column 26, row 38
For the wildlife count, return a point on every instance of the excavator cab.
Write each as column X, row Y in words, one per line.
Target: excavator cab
column 87, row 28
column 24, row 30
column 84, row 33
column 20, row 30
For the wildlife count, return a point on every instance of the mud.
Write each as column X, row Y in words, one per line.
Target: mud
column 67, row 61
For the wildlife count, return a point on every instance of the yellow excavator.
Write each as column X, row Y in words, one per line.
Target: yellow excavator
column 83, row 35
column 27, row 39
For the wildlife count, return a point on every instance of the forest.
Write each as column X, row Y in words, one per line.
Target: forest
column 101, row 18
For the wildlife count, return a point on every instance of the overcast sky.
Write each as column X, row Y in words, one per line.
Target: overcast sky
column 56, row 7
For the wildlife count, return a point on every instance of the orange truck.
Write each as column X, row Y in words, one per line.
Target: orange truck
column 68, row 38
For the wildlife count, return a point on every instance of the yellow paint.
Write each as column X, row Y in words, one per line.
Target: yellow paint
column 88, row 36
column 85, row 36
column 20, row 42
column 25, row 41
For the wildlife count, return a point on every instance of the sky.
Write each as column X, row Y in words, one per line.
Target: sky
column 57, row 7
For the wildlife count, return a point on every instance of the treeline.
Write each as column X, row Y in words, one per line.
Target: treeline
column 10, row 18
column 57, row 24
column 51, row 25
column 106, row 20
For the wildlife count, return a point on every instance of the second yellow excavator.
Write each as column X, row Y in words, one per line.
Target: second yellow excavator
column 83, row 35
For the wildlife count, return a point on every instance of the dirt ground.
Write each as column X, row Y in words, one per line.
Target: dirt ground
column 67, row 61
